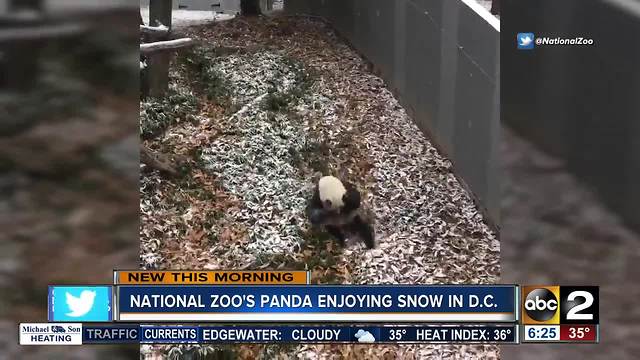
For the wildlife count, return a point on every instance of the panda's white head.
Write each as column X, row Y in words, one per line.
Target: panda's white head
column 331, row 192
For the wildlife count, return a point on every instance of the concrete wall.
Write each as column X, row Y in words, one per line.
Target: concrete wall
column 61, row 5
column 442, row 60
column 226, row 6
column 581, row 104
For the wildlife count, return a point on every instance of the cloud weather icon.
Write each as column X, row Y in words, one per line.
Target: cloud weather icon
column 364, row 336
column 80, row 306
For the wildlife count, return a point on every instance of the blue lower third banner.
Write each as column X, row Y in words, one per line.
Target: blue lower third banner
column 318, row 303
column 171, row 334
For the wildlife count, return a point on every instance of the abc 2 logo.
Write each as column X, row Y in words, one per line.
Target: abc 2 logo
column 554, row 305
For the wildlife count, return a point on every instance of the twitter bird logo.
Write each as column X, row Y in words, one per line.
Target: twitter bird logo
column 80, row 306
column 525, row 41
column 80, row 303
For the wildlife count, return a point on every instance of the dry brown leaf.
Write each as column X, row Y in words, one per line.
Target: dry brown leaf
column 195, row 235
column 226, row 235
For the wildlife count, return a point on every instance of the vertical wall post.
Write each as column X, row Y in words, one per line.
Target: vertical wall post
column 159, row 13
column 21, row 58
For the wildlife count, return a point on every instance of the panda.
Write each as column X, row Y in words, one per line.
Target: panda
column 335, row 205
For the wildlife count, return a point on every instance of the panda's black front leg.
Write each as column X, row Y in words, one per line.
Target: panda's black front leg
column 337, row 233
column 365, row 230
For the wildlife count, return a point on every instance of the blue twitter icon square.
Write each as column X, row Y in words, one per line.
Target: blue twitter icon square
column 526, row 41
column 80, row 303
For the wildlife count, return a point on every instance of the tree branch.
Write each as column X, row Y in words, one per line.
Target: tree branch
column 165, row 45
column 155, row 31
column 157, row 161
column 248, row 106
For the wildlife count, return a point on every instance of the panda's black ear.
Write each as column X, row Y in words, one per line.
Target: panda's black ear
column 351, row 199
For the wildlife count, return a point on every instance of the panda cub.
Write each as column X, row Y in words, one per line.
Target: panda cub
column 336, row 206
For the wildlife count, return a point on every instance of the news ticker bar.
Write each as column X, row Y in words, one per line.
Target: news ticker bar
column 77, row 334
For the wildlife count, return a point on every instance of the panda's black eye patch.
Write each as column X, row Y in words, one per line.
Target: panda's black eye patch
column 328, row 204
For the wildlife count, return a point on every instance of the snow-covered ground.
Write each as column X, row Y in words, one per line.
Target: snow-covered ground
column 265, row 157
column 183, row 18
